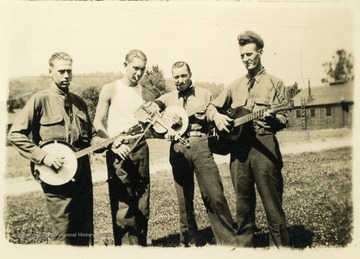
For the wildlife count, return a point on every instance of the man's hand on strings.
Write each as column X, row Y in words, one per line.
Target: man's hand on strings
column 275, row 120
column 222, row 122
column 121, row 149
column 54, row 161
column 269, row 114
column 177, row 120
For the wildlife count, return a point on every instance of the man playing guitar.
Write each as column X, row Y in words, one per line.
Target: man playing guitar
column 255, row 156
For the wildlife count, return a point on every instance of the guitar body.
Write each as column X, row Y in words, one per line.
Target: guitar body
column 235, row 132
column 68, row 170
column 219, row 140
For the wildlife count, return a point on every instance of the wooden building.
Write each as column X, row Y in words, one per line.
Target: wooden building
column 323, row 107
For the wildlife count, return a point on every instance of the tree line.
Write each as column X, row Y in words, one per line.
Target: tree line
column 88, row 85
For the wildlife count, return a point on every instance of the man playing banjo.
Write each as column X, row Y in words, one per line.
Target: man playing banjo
column 195, row 158
column 57, row 114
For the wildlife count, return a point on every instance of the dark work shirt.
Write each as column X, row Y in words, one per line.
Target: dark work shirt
column 45, row 117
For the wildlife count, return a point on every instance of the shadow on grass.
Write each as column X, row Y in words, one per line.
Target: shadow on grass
column 298, row 235
column 299, row 238
column 205, row 237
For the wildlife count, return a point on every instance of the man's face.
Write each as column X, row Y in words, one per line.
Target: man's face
column 61, row 73
column 135, row 70
column 182, row 78
column 250, row 56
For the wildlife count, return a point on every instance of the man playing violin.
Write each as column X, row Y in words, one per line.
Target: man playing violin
column 57, row 114
column 196, row 158
column 255, row 156
column 127, row 162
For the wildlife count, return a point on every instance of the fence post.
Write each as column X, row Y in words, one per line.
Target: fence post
column 303, row 114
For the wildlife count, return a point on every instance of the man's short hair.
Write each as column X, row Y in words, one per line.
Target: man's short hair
column 179, row 64
column 59, row 56
column 135, row 53
column 250, row 37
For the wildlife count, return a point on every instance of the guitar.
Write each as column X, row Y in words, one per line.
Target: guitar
column 219, row 140
column 67, row 171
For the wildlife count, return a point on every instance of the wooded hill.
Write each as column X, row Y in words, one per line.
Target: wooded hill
column 88, row 86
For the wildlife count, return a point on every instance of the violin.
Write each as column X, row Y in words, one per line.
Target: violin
column 173, row 119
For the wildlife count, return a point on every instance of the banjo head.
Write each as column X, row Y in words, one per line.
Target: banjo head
column 68, row 170
column 167, row 117
column 178, row 111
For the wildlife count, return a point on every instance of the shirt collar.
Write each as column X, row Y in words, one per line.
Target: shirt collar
column 57, row 90
column 258, row 76
column 187, row 92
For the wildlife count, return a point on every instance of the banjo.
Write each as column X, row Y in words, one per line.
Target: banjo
column 66, row 173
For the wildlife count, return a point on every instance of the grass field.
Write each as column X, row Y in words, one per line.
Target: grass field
column 18, row 166
column 317, row 202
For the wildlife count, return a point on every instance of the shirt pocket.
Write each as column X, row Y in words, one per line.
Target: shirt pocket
column 239, row 101
column 52, row 127
column 82, row 125
column 262, row 100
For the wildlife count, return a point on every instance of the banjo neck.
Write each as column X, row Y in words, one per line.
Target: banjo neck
column 102, row 144
column 132, row 133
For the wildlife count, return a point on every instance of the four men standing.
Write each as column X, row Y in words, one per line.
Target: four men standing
column 255, row 156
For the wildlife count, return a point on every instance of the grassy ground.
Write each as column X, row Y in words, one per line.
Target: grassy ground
column 18, row 166
column 317, row 201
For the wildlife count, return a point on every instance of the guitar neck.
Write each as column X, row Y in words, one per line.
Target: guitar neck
column 249, row 117
column 254, row 115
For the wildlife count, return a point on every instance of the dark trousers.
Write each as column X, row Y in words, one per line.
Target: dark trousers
column 129, row 190
column 199, row 159
column 257, row 160
column 70, row 208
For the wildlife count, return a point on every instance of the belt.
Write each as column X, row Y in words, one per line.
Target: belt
column 195, row 133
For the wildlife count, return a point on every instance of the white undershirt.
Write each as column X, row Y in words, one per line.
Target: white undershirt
column 125, row 102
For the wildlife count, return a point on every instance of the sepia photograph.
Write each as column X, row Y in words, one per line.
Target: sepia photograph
column 147, row 129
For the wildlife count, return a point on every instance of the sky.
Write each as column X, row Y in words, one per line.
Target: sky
column 298, row 37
